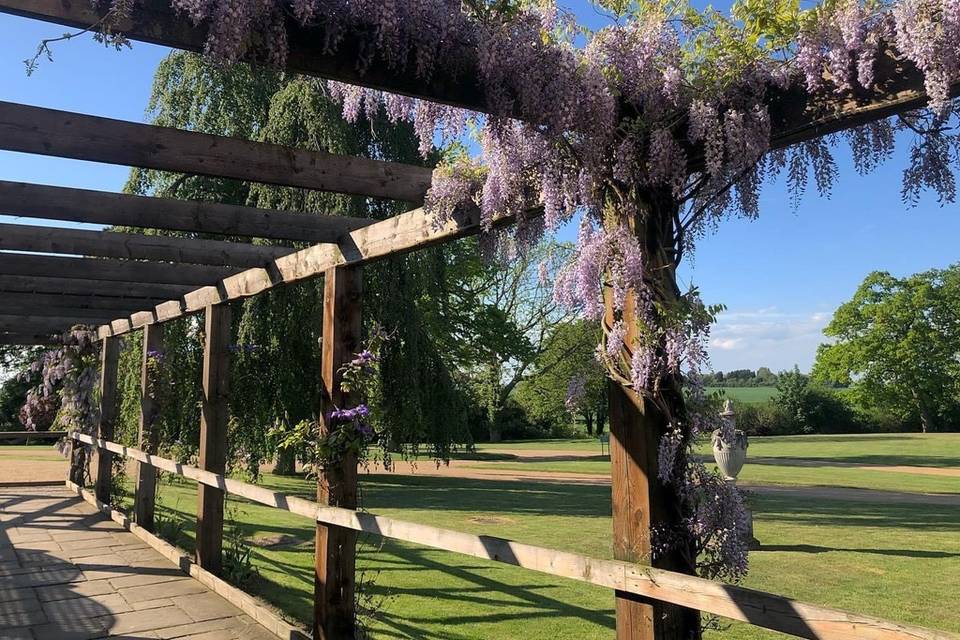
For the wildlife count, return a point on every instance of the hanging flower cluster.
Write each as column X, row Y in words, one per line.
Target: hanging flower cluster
column 68, row 382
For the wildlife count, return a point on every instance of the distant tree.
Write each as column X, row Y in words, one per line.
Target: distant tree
column 897, row 343
column 510, row 315
column 568, row 381
column 765, row 376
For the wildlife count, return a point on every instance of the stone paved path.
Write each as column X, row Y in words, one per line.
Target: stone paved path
column 66, row 572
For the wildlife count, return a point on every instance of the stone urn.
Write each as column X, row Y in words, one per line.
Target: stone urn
column 730, row 456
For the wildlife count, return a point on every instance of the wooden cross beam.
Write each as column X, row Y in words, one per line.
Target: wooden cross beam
column 40, row 325
column 75, row 301
column 57, row 286
column 28, row 339
column 796, row 115
column 121, row 209
column 64, row 134
column 136, row 246
column 91, row 316
column 130, row 271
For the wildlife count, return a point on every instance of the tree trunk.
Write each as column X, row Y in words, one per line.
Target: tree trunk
column 928, row 420
column 286, row 462
column 286, row 458
column 588, row 418
column 641, row 502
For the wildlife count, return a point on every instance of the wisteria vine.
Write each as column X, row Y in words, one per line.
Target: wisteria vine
column 651, row 129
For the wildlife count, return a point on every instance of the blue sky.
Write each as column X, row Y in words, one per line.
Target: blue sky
column 780, row 276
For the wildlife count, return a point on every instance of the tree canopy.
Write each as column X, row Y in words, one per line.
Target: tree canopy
column 897, row 342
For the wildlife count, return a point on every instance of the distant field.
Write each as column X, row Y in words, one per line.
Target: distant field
column 752, row 395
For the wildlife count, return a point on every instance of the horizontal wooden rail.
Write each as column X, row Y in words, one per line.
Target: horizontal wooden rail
column 6, row 435
column 736, row 603
column 111, row 270
column 121, row 209
column 50, row 132
column 53, row 285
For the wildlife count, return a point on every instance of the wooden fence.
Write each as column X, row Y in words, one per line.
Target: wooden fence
column 735, row 603
column 27, row 436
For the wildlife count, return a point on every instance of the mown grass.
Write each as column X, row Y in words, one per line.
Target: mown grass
column 889, row 560
column 771, row 472
column 750, row 395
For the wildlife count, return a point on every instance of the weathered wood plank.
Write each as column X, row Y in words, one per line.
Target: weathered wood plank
column 90, row 316
column 37, row 325
column 736, row 603
column 336, row 547
column 121, row 209
column 108, row 269
column 136, row 246
column 29, row 339
column 116, row 305
column 149, row 437
column 109, row 409
column 92, row 288
column 213, row 436
column 50, row 132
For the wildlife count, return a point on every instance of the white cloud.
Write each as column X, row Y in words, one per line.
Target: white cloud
column 766, row 337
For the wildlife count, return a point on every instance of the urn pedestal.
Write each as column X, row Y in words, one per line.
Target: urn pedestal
column 730, row 453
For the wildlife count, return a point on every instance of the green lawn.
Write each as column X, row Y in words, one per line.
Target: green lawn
column 750, row 395
column 894, row 561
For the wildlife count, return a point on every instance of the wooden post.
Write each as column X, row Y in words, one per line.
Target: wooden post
column 213, row 436
column 146, row 490
column 640, row 500
column 335, row 559
column 109, row 358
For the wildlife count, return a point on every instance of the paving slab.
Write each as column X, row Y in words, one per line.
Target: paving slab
column 68, row 573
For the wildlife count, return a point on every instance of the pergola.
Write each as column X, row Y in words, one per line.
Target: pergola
column 132, row 282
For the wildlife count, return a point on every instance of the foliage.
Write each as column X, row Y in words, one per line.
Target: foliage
column 762, row 377
column 238, row 566
column 897, row 343
column 568, row 381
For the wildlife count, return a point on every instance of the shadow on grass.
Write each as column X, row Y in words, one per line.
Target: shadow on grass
column 867, row 460
column 395, row 491
column 905, row 553
column 826, row 512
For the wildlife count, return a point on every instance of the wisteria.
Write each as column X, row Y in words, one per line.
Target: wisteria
column 66, row 394
column 651, row 130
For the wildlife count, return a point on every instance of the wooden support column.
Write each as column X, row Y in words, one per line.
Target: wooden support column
column 335, row 559
column 146, row 491
column 109, row 358
column 641, row 501
column 213, row 436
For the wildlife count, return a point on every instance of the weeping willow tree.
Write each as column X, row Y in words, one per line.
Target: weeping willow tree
column 276, row 361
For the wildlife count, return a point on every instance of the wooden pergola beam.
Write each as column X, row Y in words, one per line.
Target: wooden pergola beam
column 133, row 290
column 117, row 305
column 136, row 246
column 105, row 269
column 91, row 316
column 796, row 115
column 50, row 132
column 26, row 339
column 121, row 209
column 40, row 325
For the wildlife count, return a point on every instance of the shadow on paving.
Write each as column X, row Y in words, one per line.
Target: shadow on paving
column 41, row 595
